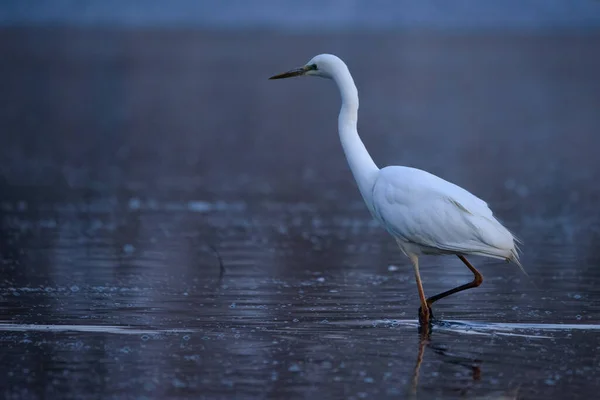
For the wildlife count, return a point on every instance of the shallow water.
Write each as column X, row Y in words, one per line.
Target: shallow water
column 174, row 225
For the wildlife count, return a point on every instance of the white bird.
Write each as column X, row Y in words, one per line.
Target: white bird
column 424, row 213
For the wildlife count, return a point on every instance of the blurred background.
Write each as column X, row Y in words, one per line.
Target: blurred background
column 174, row 225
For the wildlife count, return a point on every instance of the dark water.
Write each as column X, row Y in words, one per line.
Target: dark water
column 176, row 226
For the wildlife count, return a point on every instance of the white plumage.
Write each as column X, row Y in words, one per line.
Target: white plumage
column 429, row 215
column 424, row 213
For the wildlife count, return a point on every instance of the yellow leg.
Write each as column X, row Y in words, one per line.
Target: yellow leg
column 424, row 311
column 477, row 280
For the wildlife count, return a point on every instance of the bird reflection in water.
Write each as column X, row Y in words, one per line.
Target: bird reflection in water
column 471, row 364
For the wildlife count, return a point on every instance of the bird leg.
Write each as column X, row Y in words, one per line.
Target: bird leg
column 424, row 311
column 478, row 278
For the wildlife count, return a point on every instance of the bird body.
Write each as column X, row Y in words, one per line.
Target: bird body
column 428, row 215
column 424, row 213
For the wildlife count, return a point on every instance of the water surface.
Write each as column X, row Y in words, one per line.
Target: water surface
column 174, row 225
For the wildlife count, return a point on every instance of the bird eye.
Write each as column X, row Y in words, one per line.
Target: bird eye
column 313, row 67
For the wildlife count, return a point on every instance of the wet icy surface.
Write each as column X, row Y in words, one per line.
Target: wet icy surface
column 174, row 225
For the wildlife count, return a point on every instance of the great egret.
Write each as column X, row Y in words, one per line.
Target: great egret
column 424, row 213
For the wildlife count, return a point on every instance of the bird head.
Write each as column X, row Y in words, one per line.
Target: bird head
column 323, row 65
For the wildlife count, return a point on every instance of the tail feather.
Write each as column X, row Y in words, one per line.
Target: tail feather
column 514, row 256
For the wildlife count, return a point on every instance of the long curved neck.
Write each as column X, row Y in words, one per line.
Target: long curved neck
column 360, row 161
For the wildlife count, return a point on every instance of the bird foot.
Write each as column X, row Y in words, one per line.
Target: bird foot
column 425, row 318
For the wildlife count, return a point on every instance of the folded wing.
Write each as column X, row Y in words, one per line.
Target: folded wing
column 438, row 216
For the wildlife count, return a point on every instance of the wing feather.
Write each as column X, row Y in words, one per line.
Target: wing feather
column 423, row 209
